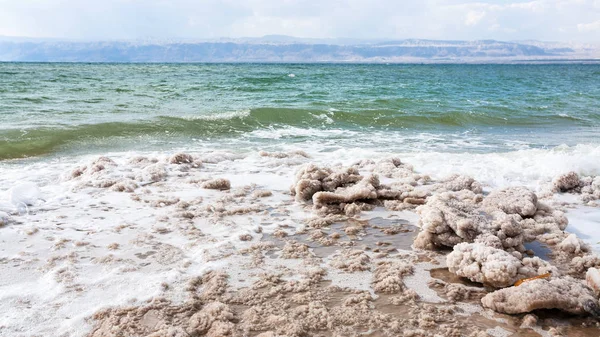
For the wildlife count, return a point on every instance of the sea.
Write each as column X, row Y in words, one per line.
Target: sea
column 503, row 125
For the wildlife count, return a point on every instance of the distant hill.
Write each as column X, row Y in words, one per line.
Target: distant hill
column 277, row 48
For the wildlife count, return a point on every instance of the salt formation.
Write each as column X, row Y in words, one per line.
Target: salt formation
column 492, row 266
column 573, row 245
column 281, row 155
column 504, row 219
column 456, row 292
column 217, row 184
column 458, row 182
column 152, row 173
column 104, row 172
column 592, row 279
column 487, row 235
column 483, row 264
column 345, row 190
column 388, row 275
column 181, row 158
column 587, row 186
column 351, row 260
column 513, row 200
column 565, row 293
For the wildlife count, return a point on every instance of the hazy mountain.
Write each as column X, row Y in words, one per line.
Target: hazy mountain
column 277, row 48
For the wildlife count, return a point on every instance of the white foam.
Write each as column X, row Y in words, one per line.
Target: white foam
column 218, row 116
column 26, row 193
column 585, row 223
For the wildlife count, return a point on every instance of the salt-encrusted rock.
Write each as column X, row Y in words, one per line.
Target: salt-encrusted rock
column 565, row 293
column 506, row 219
column 483, row 264
column 153, row 173
column 573, row 245
column 449, row 218
column 458, row 182
column 351, row 260
column 587, row 186
column 181, row 158
column 101, row 163
column 393, row 168
column 365, row 189
column 217, row 184
column 529, row 321
column 344, row 190
column 566, row 182
column 580, row 264
column 592, row 279
column 513, row 200
column 312, row 179
column 388, row 276
column 141, row 161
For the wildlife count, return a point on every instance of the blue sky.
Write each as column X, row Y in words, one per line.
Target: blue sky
column 550, row 20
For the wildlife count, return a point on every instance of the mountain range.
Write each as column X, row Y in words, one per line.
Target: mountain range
column 279, row 48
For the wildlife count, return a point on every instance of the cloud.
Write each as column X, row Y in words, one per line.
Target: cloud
column 589, row 27
column 473, row 17
column 172, row 19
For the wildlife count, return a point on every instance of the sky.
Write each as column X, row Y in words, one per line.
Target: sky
column 547, row 20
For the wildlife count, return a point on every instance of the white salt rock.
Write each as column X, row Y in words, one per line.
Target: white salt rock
column 572, row 244
column 592, row 278
column 25, row 194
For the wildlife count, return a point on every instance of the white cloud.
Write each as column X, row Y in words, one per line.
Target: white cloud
column 473, row 17
column 589, row 27
column 433, row 19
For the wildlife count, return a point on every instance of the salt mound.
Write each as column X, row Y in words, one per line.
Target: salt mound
column 217, row 184
column 312, row 179
column 344, row 190
column 25, row 194
column 587, row 186
column 351, row 260
column 181, row 158
column 449, row 218
column 483, row 264
column 459, row 182
column 592, row 278
column 566, row 294
column 388, row 276
column 513, row 200
column 566, row 182
column 153, row 173
column 573, row 245
column 504, row 220
column 364, row 190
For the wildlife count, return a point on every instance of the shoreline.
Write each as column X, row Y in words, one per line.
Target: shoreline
column 126, row 230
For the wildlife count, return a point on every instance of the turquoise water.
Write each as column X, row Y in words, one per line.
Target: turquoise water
column 57, row 109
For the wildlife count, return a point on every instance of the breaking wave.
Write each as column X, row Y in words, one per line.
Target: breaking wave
column 19, row 143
